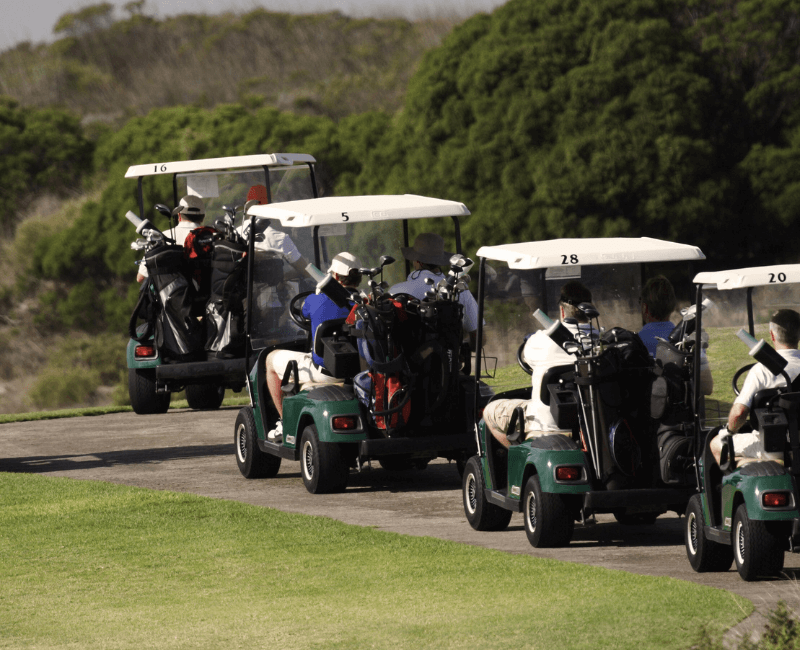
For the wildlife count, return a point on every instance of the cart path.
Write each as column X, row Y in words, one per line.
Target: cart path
column 189, row 451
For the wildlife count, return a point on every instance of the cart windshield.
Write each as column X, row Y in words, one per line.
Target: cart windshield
column 368, row 241
column 231, row 188
column 726, row 353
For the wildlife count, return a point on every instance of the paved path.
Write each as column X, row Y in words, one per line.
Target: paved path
column 193, row 452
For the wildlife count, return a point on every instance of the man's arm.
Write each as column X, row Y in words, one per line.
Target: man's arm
column 299, row 265
column 737, row 417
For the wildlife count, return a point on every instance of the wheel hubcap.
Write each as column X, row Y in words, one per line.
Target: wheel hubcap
column 740, row 545
column 472, row 499
column 692, row 527
column 308, row 461
column 531, row 511
column 241, row 447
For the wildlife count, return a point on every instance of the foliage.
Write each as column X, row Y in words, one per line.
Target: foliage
column 77, row 369
column 43, row 150
column 324, row 64
column 781, row 633
column 555, row 118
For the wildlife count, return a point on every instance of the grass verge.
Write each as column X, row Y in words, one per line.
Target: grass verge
column 101, row 410
column 88, row 564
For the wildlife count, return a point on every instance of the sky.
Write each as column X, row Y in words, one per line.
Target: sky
column 33, row 20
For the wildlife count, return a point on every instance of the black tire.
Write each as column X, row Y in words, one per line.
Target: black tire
column 639, row 519
column 481, row 514
column 204, row 397
column 142, row 391
column 252, row 462
column 548, row 521
column 756, row 551
column 322, row 464
column 704, row 555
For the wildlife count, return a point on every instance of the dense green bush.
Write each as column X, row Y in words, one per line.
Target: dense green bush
column 77, row 369
column 665, row 118
column 43, row 151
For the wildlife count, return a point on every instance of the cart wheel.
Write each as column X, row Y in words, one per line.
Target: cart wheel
column 548, row 521
column 756, row 550
column 252, row 462
column 322, row 465
column 481, row 514
column 204, row 397
column 704, row 554
column 142, row 390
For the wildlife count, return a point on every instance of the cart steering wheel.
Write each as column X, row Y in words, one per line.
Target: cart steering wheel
column 296, row 310
column 738, row 374
column 521, row 361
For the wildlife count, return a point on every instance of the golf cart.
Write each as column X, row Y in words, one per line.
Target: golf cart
column 187, row 330
column 607, row 456
column 417, row 344
column 747, row 508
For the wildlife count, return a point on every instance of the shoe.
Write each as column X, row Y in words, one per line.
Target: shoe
column 276, row 435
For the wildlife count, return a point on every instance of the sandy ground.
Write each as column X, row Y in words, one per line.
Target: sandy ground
column 193, row 452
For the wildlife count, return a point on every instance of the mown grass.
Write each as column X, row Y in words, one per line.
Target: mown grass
column 101, row 410
column 87, row 564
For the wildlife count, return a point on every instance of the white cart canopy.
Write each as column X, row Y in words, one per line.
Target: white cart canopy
column 357, row 209
column 758, row 276
column 584, row 252
column 209, row 164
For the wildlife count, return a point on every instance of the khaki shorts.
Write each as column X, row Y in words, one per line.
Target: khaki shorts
column 306, row 369
column 497, row 415
column 749, row 446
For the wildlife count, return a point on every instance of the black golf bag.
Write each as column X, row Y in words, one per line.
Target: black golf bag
column 224, row 312
column 614, row 387
column 414, row 361
column 177, row 332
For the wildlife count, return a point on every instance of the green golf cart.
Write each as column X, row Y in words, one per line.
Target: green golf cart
column 606, row 455
column 333, row 429
column 184, row 335
column 747, row 508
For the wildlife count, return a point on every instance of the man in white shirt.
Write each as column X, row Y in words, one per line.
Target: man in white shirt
column 784, row 329
column 428, row 256
column 191, row 212
column 541, row 354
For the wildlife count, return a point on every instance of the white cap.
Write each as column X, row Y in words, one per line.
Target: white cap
column 342, row 263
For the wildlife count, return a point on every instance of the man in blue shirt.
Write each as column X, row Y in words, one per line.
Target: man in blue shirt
column 318, row 308
column 657, row 303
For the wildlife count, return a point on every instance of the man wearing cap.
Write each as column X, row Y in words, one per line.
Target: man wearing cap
column 428, row 256
column 273, row 240
column 541, row 354
column 191, row 211
column 784, row 329
column 318, row 308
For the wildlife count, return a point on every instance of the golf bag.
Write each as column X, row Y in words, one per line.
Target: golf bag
column 414, row 362
column 224, row 311
column 177, row 332
column 613, row 387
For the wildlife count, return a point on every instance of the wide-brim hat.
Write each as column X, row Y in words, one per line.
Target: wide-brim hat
column 428, row 248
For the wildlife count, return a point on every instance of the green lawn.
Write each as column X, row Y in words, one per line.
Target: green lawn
column 94, row 565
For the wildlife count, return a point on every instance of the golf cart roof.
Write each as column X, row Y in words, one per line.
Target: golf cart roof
column 585, row 252
column 209, row 164
column 357, row 209
column 757, row 276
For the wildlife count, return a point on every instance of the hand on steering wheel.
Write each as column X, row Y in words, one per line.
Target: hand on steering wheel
column 296, row 311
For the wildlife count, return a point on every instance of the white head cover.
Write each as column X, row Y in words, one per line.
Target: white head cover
column 343, row 262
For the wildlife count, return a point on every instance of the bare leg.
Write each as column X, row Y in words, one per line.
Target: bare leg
column 274, row 386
